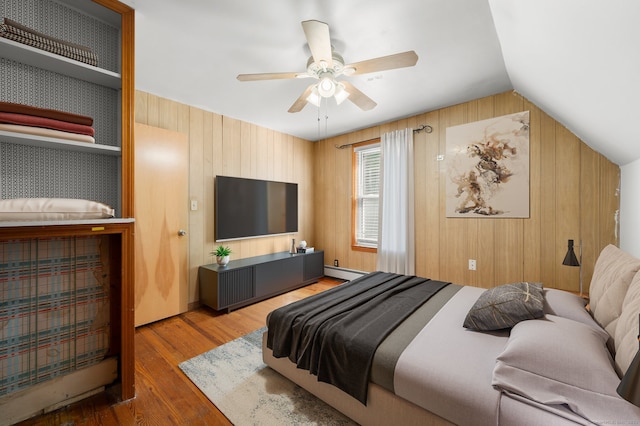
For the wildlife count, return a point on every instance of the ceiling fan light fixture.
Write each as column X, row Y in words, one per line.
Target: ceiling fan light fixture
column 314, row 97
column 341, row 94
column 327, row 86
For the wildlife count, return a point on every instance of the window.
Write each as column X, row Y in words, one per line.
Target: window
column 366, row 178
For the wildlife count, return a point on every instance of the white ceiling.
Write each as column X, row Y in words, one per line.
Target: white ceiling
column 578, row 60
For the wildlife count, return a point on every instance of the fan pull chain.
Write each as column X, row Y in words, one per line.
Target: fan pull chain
column 318, row 122
column 323, row 102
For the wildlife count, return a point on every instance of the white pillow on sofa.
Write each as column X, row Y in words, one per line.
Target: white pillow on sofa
column 30, row 209
column 567, row 305
column 612, row 276
column 558, row 361
column 627, row 330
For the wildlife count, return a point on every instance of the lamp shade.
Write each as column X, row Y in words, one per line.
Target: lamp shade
column 629, row 387
column 570, row 258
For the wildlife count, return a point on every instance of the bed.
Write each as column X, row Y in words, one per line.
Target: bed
column 516, row 354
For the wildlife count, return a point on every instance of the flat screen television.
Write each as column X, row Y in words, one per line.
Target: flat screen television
column 246, row 208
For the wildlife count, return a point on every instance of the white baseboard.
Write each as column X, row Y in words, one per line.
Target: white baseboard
column 342, row 273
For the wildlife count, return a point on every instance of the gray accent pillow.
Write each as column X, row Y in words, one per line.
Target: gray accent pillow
column 506, row 305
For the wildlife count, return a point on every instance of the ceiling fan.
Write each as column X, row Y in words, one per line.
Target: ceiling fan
column 325, row 64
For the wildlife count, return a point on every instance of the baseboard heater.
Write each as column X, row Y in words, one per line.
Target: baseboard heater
column 342, row 273
column 58, row 392
column 55, row 327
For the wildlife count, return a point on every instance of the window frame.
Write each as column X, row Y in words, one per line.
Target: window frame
column 355, row 243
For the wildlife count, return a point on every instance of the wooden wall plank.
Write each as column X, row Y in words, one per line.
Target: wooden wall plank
column 421, row 178
column 567, row 194
column 486, row 272
column 453, row 231
column 197, row 222
column 589, row 212
column 509, row 233
column 428, row 258
column 550, row 252
column 532, row 242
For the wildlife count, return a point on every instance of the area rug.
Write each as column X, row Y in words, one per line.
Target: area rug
column 248, row 392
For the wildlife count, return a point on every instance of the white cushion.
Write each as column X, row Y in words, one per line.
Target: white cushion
column 612, row 276
column 34, row 209
column 627, row 330
column 560, row 362
column 567, row 305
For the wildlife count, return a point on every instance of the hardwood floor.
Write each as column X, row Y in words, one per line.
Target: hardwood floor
column 164, row 395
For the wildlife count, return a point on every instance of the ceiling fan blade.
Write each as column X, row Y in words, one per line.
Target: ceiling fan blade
column 361, row 100
column 271, row 76
column 398, row 60
column 302, row 100
column 317, row 34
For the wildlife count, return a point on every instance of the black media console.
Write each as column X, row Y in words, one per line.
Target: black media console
column 246, row 281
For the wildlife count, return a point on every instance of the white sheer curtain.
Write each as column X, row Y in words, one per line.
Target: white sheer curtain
column 396, row 228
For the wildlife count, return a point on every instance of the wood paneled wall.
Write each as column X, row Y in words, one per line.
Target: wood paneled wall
column 573, row 195
column 220, row 145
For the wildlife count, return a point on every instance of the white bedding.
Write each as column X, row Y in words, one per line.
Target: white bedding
column 41, row 209
column 424, row 376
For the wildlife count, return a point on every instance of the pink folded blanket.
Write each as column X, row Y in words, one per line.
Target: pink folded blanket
column 47, row 113
column 47, row 133
column 49, row 123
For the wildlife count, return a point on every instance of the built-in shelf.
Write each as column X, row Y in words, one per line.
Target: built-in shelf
column 92, row 222
column 55, row 143
column 42, row 59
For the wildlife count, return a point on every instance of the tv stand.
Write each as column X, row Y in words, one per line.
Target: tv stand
column 245, row 281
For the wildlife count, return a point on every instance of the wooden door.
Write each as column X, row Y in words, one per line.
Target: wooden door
column 161, row 212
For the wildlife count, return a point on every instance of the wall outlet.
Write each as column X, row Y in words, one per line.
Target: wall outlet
column 335, row 263
column 472, row 264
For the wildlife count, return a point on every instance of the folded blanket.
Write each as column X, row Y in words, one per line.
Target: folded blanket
column 17, row 32
column 47, row 113
column 318, row 332
column 47, row 123
column 50, row 133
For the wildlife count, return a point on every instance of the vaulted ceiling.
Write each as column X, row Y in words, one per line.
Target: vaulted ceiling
column 578, row 60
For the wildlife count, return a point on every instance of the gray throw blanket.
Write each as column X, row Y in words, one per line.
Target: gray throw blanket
column 335, row 334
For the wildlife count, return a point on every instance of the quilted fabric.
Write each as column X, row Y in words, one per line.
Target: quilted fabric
column 612, row 276
column 541, row 362
column 628, row 327
column 506, row 305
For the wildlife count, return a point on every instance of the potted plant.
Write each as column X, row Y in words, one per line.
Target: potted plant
column 222, row 255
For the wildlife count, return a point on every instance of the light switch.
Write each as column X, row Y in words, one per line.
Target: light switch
column 194, row 205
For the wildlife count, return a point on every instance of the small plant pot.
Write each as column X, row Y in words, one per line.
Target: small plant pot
column 222, row 260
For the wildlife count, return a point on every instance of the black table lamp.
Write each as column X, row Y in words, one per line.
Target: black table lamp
column 629, row 387
column 570, row 259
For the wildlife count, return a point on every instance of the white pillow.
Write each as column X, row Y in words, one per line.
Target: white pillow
column 558, row 361
column 627, row 330
column 567, row 305
column 612, row 276
column 30, row 209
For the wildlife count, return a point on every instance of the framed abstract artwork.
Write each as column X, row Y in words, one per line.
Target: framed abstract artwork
column 487, row 168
